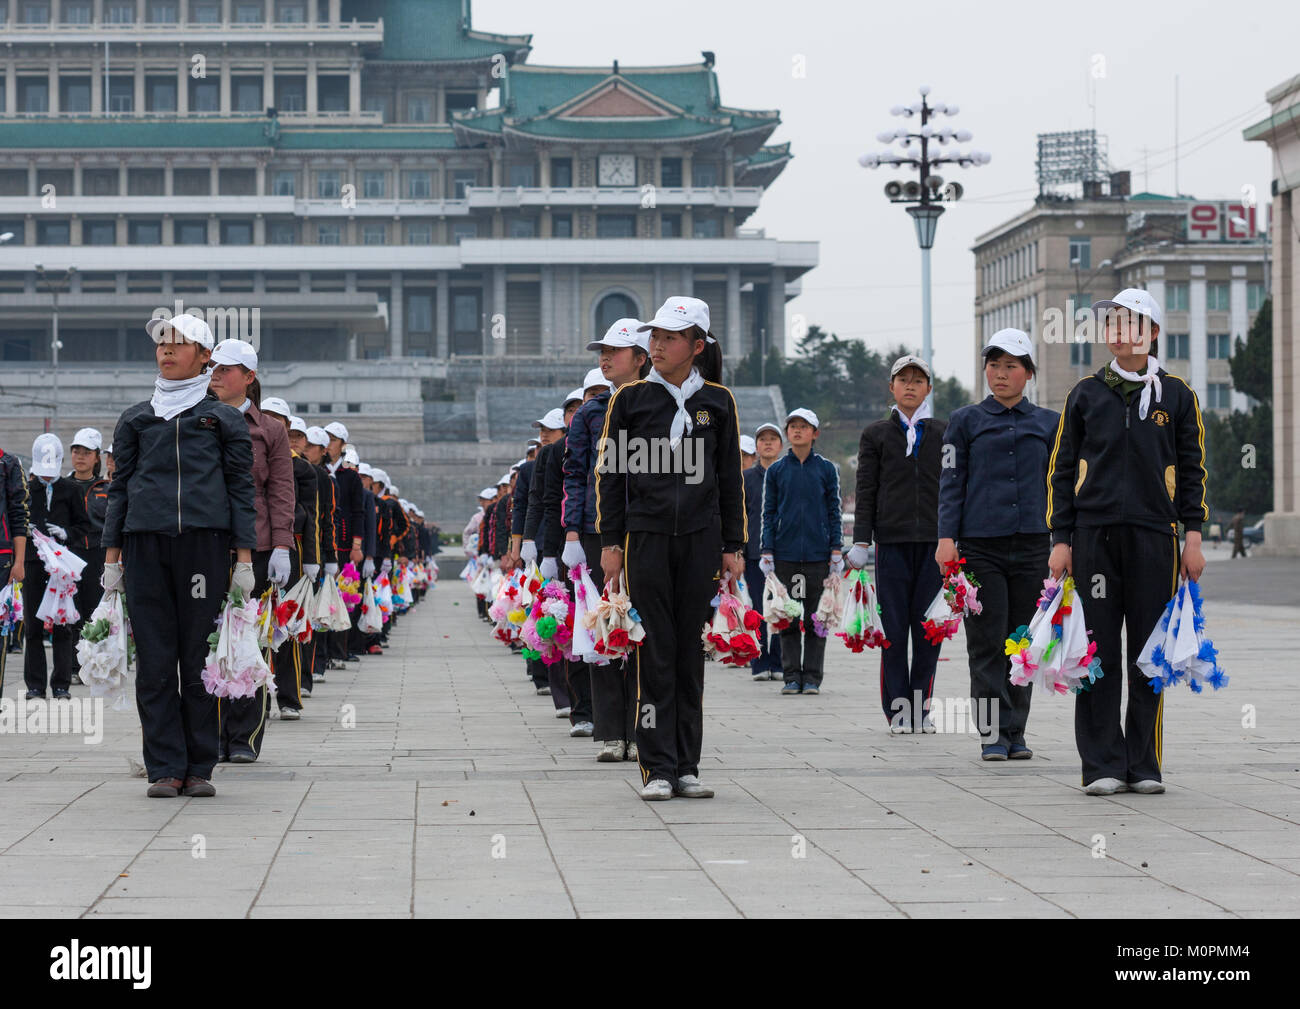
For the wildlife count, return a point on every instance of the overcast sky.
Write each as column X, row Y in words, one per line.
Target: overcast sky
column 1015, row 69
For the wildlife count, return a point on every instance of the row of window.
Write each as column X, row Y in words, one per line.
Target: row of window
column 239, row 231
column 1010, row 267
column 1173, row 347
column 1218, row 297
column 164, row 12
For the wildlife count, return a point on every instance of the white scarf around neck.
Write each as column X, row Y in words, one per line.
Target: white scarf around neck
column 921, row 413
column 1150, row 380
column 172, row 396
column 681, row 419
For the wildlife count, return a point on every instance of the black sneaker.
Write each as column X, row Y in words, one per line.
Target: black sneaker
column 62, row 695
column 243, row 757
column 791, row 688
column 33, row 695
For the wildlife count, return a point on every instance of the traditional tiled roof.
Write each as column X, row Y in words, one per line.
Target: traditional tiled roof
column 434, row 31
column 158, row 134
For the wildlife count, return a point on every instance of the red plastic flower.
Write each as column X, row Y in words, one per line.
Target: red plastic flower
column 752, row 620
column 618, row 638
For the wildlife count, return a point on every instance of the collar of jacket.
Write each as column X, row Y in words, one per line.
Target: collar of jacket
column 812, row 454
column 990, row 404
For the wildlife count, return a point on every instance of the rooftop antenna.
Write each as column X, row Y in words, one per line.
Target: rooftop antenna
column 1177, row 192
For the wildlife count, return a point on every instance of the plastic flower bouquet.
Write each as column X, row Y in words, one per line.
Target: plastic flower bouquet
column 585, row 598
column 779, row 610
column 614, row 622
column 371, row 619
column 1052, row 651
column 235, row 666
column 350, row 585
column 329, row 612
column 957, row 598
column 549, row 628
column 830, row 608
column 105, row 650
column 731, row 636
column 58, row 606
column 861, row 626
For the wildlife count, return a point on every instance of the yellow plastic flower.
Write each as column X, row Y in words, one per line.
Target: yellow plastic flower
column 1016, row 645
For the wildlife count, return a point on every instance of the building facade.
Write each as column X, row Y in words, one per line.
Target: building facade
column 1039, row 269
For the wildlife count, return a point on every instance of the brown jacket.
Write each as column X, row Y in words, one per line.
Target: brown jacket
column 272, row 480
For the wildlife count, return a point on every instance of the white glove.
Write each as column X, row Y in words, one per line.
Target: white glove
column 58, row 532
column 766, row 564
column 111, row 579
column 573, row 554
column 528, row 551
column 837, row 563
column 386, row 567
column 331, row 569
column 858, row 555
column 311, row 570
column 243, row 577
column 549, row 568
column 484, row 559
column 368, row 568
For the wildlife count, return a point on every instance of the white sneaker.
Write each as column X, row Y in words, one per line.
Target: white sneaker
column 900, row 730
column 632, row 752
column 582, row 729
column 1106, row 786
column 657, row 790
column 928, row 725
column 1148, row 787
column 563, row 712
column 689, row 787
column 611, row 751
column 290, row 714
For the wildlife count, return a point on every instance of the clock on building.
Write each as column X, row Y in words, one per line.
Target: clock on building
column 617, row 170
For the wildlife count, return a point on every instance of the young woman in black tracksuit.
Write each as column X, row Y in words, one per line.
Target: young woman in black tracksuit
column 180, row 500
column 86, row 476
column 661, row 529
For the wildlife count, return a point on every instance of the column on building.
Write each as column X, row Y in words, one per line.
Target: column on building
column 268, row 84
column 498, row 348
column 137, row 74
column 660, row 294
column 77, row 177
column 1239, row 321
column 732, row 345
column 97, row 100
column 547, row 321
column 576, row 342
column 396, row 316
column 1198, row 345
column 354, row 89
column 442, row 321
column 225, row 85
column 53, row 86
column 183, row 85
column 335, row 17
column 776, row 309
column 1155, row 282
column 311, row 85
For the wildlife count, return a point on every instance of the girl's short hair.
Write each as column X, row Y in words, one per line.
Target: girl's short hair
column 1025, row 359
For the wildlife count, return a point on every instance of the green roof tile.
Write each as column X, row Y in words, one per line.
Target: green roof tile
column 154, row 133
column 429, row 30
column 388, row 138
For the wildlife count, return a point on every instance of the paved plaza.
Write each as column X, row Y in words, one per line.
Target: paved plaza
column 433, row 781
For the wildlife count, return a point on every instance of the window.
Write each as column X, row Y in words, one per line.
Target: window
column 562, row 172
column 670, row 173
column 419, row 233
column 35, row 13
column 419, row 313
column 418, row 185
column 1218, row 346
column 670, row 225
column 290, row 12
column 1254, row 297
column 374, row 185
column 1081, row 354
column 247, row 94
column 284, row 183
column 459, row 101
column 464, row 229
column 74, row 94
column 521, row 175
column 613, row 307
column 1218, row 396
column 205, row 96
column 121, row 12
column 145, row 232
column 282, row 233
column 1081, row 250
column 1176, row 298
column 327, row 233
column 467, row 335
column 121, row 94
column 374, row 234
column 616, row 226
column 1216, row 297
column 53, row 233
column 327, row 185
column 237, row 182
column 332, row 94
column 33, row 94
column 291, row 94
column 190, row 232
column 98, row 232
column 562, row 225
column 418, row 109
column 248, row 14
column 704, row 176
column 160, row 94
column 144, row 182
column 77, row 12
column 236, row 232
column 100, row 182
column 205, row 12
column 376, row 103
column 707, row 227
column 162, row 12
column 523, row 227
column 462, row 179
column 1175, row 346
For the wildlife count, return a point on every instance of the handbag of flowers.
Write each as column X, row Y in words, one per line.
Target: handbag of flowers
column 235, row 666
column 1052, row 651
column 862, row 627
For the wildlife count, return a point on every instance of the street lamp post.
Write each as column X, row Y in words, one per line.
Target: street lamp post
column 55, row 286
column 1078, row 291
column 926, row 197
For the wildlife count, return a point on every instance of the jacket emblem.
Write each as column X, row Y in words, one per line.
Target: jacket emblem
column 702, row 417
column 1160, row 417
column 207, row 423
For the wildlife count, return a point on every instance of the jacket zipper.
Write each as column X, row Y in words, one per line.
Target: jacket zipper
column 178, row 476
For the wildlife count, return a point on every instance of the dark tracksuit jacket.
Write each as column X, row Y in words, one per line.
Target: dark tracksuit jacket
column 67, row 509
column 769, row 659
column 581, row 445
column 544, row 527
column 181, row 499
column 801, row 527
column 1117, row 487
column 669, row 530
column 897, row 508
column 551, row 459
column 293, row 662
column 13, row 524
column 349, row 526
column 94, row 496
column 326, row 492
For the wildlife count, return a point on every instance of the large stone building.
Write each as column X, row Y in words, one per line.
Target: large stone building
column 1204, row 261
column 1279, row 131
column 402, row 214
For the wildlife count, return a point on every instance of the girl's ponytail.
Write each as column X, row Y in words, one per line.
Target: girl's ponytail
column 255, row 392
column 708, row 361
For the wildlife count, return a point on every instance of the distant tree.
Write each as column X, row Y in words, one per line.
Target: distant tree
column 1239, row 447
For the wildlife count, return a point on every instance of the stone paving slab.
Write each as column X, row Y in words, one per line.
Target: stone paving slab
column 434, row 782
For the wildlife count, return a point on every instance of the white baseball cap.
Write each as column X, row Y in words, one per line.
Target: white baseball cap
column 678, row 314
column 1135, row 300
column 1015, row 342
column 318, row 436
column 573, row 397
column 803, row 413
column 392, row 488
column 350, row 457
column 275, row 405
column 624, row 333
column 911, row 361
column 297, row 424
column 236, row 352
column 488, row 492
column 596, row 380
column 365, row 469
column 47, row 455
column 89, row 438
column 406, row 505
column 533, row 443
column 768, row 427
column 109, row 450
column 505, row 479
column 379, row 476
column 336, row 430
column 747, row 445
column 553, row 421
column 191, row 328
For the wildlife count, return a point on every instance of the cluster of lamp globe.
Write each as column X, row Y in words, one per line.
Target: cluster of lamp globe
column 928, row 132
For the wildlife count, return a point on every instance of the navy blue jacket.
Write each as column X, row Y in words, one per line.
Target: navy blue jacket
column 519, row 510
column 996, row 484
column 753, row 480
column 581, row 446
column 801, row 508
